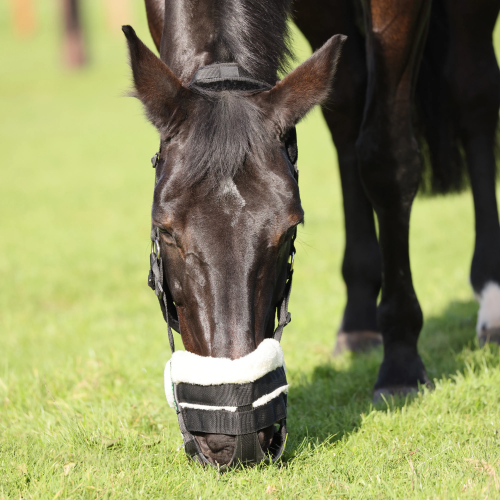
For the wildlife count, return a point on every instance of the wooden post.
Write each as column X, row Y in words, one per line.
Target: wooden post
column 74, row 53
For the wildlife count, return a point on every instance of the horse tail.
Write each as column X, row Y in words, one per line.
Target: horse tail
column 444, row 164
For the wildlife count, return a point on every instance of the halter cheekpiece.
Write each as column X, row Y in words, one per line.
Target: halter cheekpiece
column 217, row 395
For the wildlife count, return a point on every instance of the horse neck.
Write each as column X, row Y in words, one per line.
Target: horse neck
column 251, row 33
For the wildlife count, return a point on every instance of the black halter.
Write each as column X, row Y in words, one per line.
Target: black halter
column 248, row 450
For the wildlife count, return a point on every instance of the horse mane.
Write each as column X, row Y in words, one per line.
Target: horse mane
column 256, row 35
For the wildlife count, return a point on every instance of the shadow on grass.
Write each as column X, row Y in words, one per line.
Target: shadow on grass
column 329, row 403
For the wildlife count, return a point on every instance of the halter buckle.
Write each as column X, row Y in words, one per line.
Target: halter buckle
column 155, row 159
column 155, row 248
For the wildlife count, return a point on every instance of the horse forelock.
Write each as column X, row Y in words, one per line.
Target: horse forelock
column 225, row 129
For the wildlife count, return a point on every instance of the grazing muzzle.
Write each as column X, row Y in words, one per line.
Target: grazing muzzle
column 234, row 397
column 238, row 398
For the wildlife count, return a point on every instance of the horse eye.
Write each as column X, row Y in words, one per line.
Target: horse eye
column 165, row 232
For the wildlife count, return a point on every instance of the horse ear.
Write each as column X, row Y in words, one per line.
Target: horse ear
column 307, row 85
column 155, row 11
column 159, row 90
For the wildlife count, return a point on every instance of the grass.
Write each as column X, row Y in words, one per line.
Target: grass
column 83, row 344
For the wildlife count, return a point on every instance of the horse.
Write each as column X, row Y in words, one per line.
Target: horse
column 417, row 85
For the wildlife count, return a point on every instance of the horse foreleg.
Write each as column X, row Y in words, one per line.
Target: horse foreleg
column 474, row 79
column 390, row 170
column 361, row 267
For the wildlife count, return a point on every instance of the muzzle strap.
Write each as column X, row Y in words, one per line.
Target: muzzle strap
column 235, row 423
column 191, row 445
column 248, row 449
column 155, row 282
column 284, row 317
column 231, row 395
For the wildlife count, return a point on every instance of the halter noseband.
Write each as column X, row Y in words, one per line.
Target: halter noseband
column 243, row 404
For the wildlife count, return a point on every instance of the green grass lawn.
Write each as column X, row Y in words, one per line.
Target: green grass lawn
column 83, row 344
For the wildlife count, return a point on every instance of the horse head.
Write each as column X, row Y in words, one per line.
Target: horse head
column 226, row 201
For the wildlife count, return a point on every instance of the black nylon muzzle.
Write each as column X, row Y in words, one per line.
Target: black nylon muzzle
column 230, row 409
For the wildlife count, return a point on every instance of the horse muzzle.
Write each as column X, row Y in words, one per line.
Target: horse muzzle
column 240, row 398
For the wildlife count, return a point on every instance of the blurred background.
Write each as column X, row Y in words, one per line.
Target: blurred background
column 75, row 193
column 82, row 340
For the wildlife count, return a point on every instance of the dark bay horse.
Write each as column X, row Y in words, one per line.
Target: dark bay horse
column 417, row 83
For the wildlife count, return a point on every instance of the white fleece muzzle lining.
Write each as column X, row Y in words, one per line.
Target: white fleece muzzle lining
column 186, row 367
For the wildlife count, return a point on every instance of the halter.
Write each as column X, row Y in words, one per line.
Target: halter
column 243, row 404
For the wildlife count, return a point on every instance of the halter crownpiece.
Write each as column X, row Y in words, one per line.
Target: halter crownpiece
column 227, row 73
column 218, row 395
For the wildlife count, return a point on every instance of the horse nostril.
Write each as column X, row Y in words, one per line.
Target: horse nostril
column 217, row 448
column 218, row 443
column 266, row 438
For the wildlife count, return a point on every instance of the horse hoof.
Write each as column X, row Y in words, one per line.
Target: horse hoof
column 398, row 391
column 360, row 341
column 489, row 336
